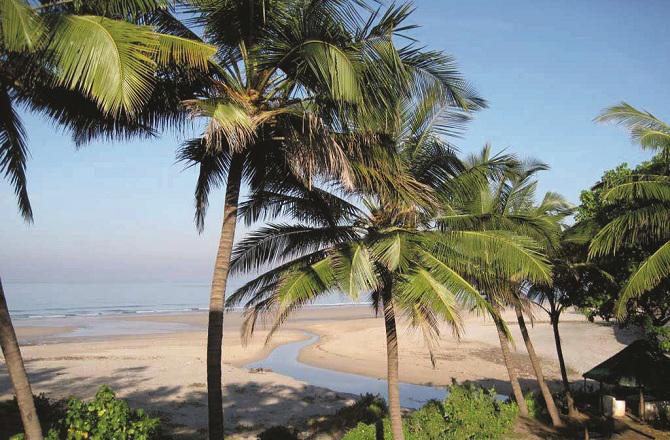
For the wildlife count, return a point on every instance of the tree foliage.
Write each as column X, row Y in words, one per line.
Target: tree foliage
column 91, row 67
column 622, row 204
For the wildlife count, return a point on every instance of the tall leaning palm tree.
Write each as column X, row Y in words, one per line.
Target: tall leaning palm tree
column 648, row 199
column 378, row 244
column 91, row 70
column 300, row 83
column 509, row 204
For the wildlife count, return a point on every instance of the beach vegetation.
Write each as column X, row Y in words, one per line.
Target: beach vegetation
column 644, row 203
column 597, row 281
column 467, row 412
column 508, row 203
column 105, row 417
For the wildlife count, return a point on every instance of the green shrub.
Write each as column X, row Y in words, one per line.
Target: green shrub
column 362, row 431
column 468, row 412
column 471, row 412
column 427, row 423
column 537, row 408
column 104, row 418
column 278, row 433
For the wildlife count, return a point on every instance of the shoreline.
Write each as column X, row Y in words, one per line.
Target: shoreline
column 332, row 350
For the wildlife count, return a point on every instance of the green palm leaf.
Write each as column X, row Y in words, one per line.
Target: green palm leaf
column 393, row 251
column 650, row 273
column 354, row 270
column 422, row 288
column 111, row 61
column 334, row 67
column 20, row 27
column 116, row 8
column 446, row 275
column 646, row 129
column 641, row 188
column 508, row 254
column 14, row 152
column 276, row 243
column 183, row 51
column 647, row 224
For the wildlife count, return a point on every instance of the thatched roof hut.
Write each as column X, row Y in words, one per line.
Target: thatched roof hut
column 640, row 365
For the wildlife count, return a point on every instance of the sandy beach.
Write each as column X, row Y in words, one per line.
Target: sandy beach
column 163, row 370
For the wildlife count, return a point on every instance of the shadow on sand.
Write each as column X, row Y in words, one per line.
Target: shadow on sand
column 183, row 409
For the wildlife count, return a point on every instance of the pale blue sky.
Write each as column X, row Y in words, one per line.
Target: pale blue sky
column 123, row 212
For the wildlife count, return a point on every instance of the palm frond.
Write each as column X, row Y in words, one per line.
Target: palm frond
column 181, row 51
column 14, row 152
column 650, row 273
column 502, row 252
column 646, row 187
column 424, row 318
column 354, row 270
column 20, row 27
column 421, row 288
column 310, row 206
column 213, row 168
column 393, row 250
column 276, row 243
column 334, row 67
column 265, row 284
column 645, row 128
column 110, row 61
column 646, row 224
column 299, row 288
column 112, row 8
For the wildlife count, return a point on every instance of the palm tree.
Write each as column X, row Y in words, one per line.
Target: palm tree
column 509, row 204
column 649, row 200
column 569, row 273
column 90, row 71
column 378, row 244
column 645, row 129
column 300, row 84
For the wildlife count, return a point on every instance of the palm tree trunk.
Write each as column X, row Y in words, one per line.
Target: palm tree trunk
column 17, row 372
column 392, row 365
column 572, row 411
column 537, row 367
column 507, row 358
column 217, row 300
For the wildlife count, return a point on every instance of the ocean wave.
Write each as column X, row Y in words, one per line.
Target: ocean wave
column 89, row 312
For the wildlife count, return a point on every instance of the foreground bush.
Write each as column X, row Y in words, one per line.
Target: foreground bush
column 472, row 412
column 468, row 412
column 103, row 418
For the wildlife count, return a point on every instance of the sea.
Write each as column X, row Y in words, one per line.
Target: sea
column 60, row 300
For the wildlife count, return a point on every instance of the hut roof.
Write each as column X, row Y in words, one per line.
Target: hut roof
column 639, row 364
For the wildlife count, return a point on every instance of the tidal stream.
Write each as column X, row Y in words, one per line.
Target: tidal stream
column 284, row 360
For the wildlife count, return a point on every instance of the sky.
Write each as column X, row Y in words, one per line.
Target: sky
column 124, row 212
